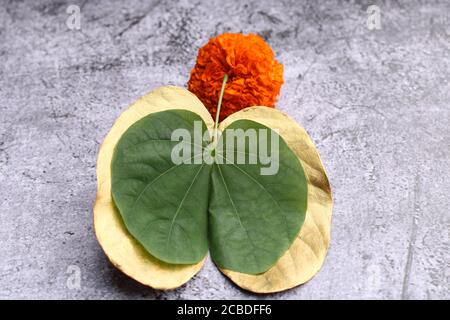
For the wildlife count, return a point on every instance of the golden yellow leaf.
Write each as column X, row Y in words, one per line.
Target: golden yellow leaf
column 306, row 255
column 120, row 247
column 296, row 266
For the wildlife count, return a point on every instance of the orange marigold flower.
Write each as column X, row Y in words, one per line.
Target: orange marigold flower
column 255, row 77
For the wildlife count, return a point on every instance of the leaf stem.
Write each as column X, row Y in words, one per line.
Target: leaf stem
column 219, row 104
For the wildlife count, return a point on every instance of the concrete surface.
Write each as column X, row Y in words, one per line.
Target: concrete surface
column 376, row 103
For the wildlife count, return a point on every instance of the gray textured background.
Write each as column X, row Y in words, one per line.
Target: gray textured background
column 376, row 103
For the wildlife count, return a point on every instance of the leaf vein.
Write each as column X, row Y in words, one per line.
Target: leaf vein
column 267, row 191
column 154, row 180
column 180, row 205
column 237, row 214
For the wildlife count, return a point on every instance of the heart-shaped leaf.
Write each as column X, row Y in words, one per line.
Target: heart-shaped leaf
column 164, row 205
column 253, row 218
column 306, row 255
column 297, row 265
column 121, row 248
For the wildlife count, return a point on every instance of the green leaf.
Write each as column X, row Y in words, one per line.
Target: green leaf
column 163, row 205
column 249, row 219
column 254, row 218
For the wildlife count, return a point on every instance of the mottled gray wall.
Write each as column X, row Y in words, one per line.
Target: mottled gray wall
column 376, row 103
